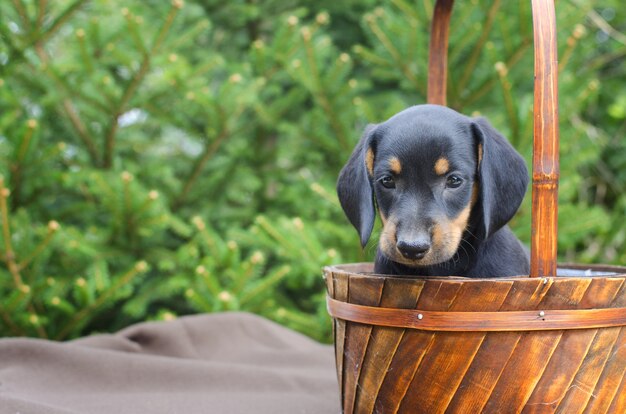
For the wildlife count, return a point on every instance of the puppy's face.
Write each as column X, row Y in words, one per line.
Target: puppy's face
column 424, row 178
column 434, row 174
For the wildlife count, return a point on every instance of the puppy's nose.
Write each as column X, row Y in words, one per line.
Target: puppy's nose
column 413, row 250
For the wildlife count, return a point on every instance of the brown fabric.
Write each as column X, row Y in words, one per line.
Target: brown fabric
column 222, row 363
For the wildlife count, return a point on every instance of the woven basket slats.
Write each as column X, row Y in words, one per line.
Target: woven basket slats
column 584, row 382
column 571, row 352
column 615, row 369
column 398, row 370
column 496, row 349
column 397, row 293
column 366, row 292
column 339, row 283
column 446, row 362
column 533, row 352
column 413, row 347
column 618, row 402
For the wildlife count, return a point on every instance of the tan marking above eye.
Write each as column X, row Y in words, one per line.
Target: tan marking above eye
column 442, row 166
column 394, row 165
column 369, row 161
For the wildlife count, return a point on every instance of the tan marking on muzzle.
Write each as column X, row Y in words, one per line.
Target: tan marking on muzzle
column 382, row 217
column 442, row 166
column 437, row 236
column 459, row 224
column 388, row 237
column 447, row 236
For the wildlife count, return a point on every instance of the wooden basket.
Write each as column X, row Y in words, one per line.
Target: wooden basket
column 552, row 342
column 458, row 345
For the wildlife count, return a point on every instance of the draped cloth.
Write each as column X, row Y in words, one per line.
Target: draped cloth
column 218, row 363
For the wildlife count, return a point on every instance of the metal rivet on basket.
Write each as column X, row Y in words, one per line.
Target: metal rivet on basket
column 420, row 316
column 545, row 280
column 542, row 314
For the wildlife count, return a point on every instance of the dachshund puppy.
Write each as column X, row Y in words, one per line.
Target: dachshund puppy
column 445, row 186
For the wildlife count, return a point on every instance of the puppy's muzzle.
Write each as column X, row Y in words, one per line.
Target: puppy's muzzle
column 414, row 249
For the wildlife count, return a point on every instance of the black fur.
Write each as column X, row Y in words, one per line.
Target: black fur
column 437, row 223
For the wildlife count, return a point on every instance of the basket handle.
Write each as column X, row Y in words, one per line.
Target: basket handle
column 545, row 176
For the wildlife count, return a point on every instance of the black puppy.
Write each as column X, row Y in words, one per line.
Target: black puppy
column 445, row 186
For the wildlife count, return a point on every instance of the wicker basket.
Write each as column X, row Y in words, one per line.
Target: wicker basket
column 552, row 342
column 457, row 345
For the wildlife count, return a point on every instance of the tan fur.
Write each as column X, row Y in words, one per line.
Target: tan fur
column 459, row 224
column 446, row 236
column 395, row 166
column 474, row 195
column 382, row 217
column 438, row 236
column 388, row 239
column 442, row 166
column 369, row 161
column 480, row 153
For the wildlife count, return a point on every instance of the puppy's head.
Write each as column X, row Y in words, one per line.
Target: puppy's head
column 435, row 175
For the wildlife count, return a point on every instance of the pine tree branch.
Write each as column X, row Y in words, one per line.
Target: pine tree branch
column 395, row 54
column 252, row 26
column 41, row 12
column 81, row 130
column 264, row 285
column 605, row 59
column 428, row 7
column 79, row 317
column 15, row 330
column 207, row 154
column 9, row 254
column 572, row 42
column 478, row 48
column 135, row 82
column 21, row 11
column 408, row 10
column 17, row 53
column 603, row 25
column 17, row 166
column 509, row 102
column 460, row 47
column 488, row 84
column 59, row 22
column 319, row 91
column 53, row 226
column 68, row 106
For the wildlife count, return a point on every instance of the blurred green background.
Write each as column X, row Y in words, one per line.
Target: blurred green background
column 165, row 158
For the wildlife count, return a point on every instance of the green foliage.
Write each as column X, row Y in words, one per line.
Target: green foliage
column 160, row 158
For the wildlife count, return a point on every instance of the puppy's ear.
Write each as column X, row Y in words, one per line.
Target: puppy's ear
column 502, row 176
column 355, row 188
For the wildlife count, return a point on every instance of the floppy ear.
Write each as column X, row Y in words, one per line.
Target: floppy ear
column 502, row 176
column 355, row 188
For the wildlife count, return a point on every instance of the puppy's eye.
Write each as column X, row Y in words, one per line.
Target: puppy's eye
column 454, row 181
column 388, row 182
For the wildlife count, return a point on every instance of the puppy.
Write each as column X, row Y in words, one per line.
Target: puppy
column 445, row 186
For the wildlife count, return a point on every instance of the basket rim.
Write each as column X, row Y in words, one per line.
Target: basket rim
column 600, row 270
column 525, row 319
column 477, row 321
